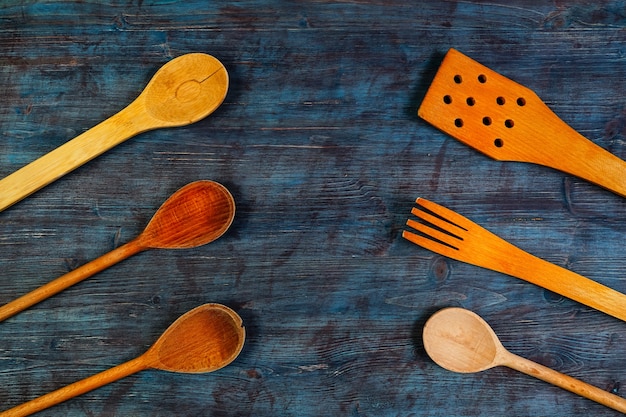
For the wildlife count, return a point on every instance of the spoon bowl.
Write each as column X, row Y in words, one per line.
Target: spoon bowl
column 204, row 339
column 195, row 215
column 185, row 90
column 461, row 341
column 189, row 344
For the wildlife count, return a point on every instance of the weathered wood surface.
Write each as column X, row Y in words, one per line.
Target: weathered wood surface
column 319, row 142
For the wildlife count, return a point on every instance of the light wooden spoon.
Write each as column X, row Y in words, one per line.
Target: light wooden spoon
column 183, row 91
column 460, row 341
column 204, row 339
column 195, row 215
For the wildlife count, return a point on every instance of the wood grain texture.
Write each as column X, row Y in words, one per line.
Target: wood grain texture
column 319, row 142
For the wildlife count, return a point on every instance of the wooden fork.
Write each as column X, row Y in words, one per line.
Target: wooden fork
column 448, row 233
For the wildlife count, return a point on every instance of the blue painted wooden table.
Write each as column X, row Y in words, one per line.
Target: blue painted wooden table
column 319, row 142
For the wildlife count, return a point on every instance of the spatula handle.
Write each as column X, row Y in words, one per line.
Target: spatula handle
column 77, row 388
column 69, row 279
column 74, row 153
column 564, row 381
column 568, row 151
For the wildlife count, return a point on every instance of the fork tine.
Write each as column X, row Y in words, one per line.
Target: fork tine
column 433, row 233
column 430, row 244
column 440, row 223
column 451, row 216
column 441, row 234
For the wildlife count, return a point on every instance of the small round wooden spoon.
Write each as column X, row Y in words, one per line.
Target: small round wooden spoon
column 204, row 339
column 460, row 341
column 197, row 214
column 183, row 91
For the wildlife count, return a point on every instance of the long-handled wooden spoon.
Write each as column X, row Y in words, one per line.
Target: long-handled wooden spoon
column 183, row 91
column 197, row 214
column 204, row 339
column 461, row 341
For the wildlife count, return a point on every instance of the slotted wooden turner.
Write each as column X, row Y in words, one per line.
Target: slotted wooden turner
column 509, row 122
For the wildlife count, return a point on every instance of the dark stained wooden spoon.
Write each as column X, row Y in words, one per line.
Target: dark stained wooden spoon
column 204, row 339
column 197, row 214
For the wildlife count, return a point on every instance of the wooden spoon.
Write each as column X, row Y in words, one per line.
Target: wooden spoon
column 183, row 91
column 204, row 339
column 460, row 341
column 197, row 214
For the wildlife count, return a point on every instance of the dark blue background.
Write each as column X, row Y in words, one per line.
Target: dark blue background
column 319, row 142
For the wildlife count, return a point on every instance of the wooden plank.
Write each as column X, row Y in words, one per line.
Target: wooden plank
column 320, row 144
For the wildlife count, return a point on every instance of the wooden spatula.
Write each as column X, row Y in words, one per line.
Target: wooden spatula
column 509, row 122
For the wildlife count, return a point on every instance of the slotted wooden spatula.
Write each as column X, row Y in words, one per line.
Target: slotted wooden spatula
column 509, row 122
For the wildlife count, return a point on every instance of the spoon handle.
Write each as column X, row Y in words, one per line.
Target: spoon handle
column 127, row 123
column 73, row 277
column 77, row 388
column 566, row 382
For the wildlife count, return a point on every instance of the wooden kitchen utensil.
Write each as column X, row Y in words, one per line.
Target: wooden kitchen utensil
column 195, row 215
column 461, row 341
column 183, row 91
column 450, row 234
column 204, row 339
column 509, row 122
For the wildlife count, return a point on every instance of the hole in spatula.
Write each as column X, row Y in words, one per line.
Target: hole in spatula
column 458, row 79
column 458, row 122
column 498, row 143
column 500, row 101
column 447, row 99
column 509, row 123
column 521, row 101
column 487, row 121
column 470, row 101
column 482, row 78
